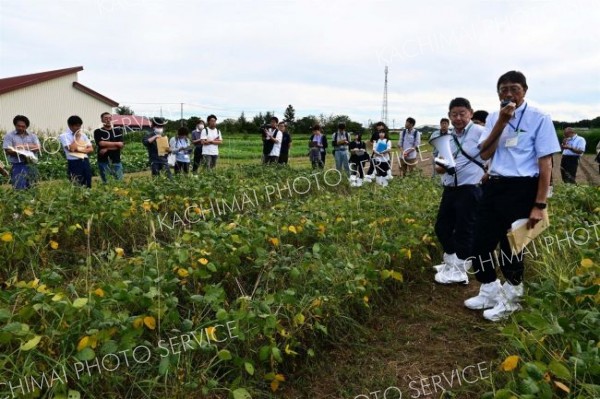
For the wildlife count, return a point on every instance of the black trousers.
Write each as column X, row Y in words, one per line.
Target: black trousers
column 283, row 158
column 182, row 167
column 504, row 201
column 80, row 172
column 568, row 168
column 457, row 215
column 197, row 158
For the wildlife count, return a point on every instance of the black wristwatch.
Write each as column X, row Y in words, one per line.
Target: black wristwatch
column 540, row 205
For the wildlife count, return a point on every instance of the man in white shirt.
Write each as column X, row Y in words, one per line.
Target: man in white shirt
column 520, row 140
column 573, row 146
column 272, row 142
column 22, row 175
column 457, row 214
column 77, row 146
column 410, row 140
column 211, row 140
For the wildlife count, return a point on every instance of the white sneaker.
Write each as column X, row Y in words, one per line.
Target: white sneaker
column 359, row 182
column 389, row 175
column 488, row 296
column 384, row 181
column 369, row 178
column 352, row 178
column 452, row 273
column 448, row 258
column 508, row 302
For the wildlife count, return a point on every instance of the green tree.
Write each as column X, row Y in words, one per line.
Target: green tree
column 124, row 110
column 290, row 115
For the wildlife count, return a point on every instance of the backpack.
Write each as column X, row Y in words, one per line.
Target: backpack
column 414, row 138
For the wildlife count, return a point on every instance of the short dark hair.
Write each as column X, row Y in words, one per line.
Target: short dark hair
column 211, row 116
column 459, row 102
column 183, row 131
column 274, row 118
column 480, row 115
column 380, row 124
column 104, row 113
column 512, row 77
column 316, row 127
column 411, row 121
column 357, row 134
column 21, row 118
column 444, row 120
column 341, row 125
column 74, row 120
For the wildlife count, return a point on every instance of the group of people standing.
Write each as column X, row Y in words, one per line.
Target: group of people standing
column 352, row 156
column 502, row 173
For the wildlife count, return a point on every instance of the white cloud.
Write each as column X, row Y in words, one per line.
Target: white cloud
column 318, row 56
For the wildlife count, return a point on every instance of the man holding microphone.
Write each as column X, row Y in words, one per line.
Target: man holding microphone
column 520, row 139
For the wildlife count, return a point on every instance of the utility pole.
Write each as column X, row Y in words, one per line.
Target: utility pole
column 384, row 108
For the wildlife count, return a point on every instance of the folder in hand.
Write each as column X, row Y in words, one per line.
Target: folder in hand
column 519, row 236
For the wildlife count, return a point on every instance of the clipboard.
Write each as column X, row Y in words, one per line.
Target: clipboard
column 519, row 236
column 162, row 145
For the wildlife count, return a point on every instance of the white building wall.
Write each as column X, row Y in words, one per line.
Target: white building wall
column 49, row 104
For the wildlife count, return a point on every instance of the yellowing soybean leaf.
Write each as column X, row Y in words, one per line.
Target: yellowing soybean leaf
column 397, row 276
column 138, row 323
column 299, row 319
column 32, row 343
column 279, row 377
column 150, row 322
column 83, row 343
column 80, row 302
column 510, row 363
column 274, row 385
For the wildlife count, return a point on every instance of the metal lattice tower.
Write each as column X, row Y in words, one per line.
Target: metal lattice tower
column 384, row 108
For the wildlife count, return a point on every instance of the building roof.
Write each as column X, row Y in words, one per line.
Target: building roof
column 130, row 120
column 18, row 82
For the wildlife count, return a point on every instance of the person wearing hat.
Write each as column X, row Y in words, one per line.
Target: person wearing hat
column 340, row 141
column 520, row 140
column 211, row 140
column 158, row 163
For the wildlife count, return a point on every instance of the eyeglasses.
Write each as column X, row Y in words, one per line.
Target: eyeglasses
column 458, row 114
column 513, row 89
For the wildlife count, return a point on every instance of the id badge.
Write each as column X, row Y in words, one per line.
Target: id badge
column 512, row 142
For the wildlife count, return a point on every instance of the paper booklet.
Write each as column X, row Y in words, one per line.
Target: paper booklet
column 79, row 155
column 162, row 145
column 519, row 236
column 30, row 155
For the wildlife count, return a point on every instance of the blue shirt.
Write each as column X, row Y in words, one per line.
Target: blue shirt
column 528, row 136
column 16, row 140
column 467, row 172
column 576, row 142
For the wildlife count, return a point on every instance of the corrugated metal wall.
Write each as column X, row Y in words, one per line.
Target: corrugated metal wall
column 49, row 104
